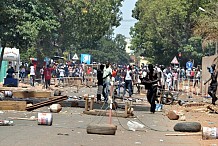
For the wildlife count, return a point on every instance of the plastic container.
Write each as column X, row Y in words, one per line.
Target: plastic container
column 45, row 119
column 133, row 125
column 8, row 93
column 209, row 133
column 159, row 107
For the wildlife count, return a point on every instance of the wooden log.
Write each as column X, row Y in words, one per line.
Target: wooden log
column 33, row 94
column 8, row 88
column 13, row 105
column 212, row 108
column 106, row 113
column 45, row 103
column 18, row 118
column 184, row 134
column 103, row 129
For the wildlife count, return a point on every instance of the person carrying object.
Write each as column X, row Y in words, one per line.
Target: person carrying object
column 151, row 83
column 213, row 84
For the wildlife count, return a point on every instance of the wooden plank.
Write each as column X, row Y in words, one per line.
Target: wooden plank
column 8, row 88
column 45, row 103
column 106, row 113
column 13, row 105
column 33, row 94
column 184, row 134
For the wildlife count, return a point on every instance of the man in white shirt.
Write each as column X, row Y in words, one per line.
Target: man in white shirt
column 32, row 74
column 128, row 81
column 61, row 74
column 106, row 79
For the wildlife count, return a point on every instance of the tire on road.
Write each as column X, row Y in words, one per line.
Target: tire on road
column 103, row 129
column 188, row 127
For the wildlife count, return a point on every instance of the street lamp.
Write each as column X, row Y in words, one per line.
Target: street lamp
column 203, row 10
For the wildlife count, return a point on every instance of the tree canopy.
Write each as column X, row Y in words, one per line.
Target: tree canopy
column 165, row 29
column 49, row 26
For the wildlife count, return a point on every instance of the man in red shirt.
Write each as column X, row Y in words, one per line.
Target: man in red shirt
column 47, row 76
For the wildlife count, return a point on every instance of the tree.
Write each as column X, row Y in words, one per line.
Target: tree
column 164, row 28
column 83, row 23
column 25, row 24
column 207, row 25
column 109, row 49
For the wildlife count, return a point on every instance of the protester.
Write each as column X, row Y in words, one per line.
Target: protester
column 175, row 79
column 197, row 77
column 10, row 72
column 47, row 74
column 42, row 74
column 22, row 72
column 61, row 74
column 100, row 82
column 128, row 78
column 106, row 78
column 151, row 82
column 32, row 74
column 213, row 84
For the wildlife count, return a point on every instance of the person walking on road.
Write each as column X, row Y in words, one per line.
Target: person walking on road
column 100, row 82
column 32, row 74
column 151, row 82
column 107, row 77
column 213, row 84
column 47, row 75
column 128, row 78
column 42, row 74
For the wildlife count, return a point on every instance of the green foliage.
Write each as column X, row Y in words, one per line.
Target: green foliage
column 165, row 28
column 109, row 49
column 52, row 26
column 84, row 22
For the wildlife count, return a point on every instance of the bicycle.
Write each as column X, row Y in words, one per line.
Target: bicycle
column 167, row 97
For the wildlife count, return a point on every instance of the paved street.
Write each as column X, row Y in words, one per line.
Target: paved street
column 69, row 127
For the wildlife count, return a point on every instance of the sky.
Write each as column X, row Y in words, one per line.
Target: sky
column 128, row 21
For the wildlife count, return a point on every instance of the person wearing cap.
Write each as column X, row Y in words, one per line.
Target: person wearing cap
column 213, row 84
column 151, row 82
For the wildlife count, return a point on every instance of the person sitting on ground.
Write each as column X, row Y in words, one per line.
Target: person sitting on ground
column 10, row 72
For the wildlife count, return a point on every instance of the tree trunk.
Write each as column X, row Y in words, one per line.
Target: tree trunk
column 1, row 58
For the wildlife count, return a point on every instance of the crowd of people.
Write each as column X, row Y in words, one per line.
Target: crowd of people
column 119, row 76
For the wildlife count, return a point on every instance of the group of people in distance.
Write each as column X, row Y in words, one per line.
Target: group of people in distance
column 152, row 80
